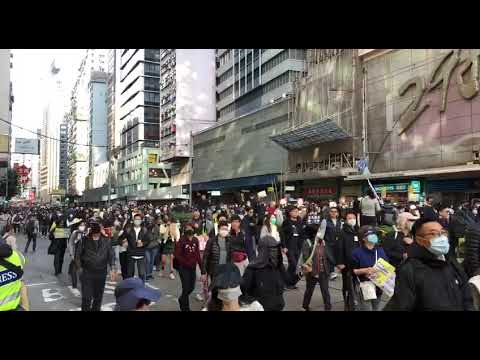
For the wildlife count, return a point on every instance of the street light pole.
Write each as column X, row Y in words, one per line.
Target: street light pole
column 109, row 176
column 191, row 168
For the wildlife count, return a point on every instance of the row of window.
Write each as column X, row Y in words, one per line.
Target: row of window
column 226, row 57
column 152, row 54
column 277, row 82
column 152, row 69
column 225, row 76
column 275, row 61
column 227, row 92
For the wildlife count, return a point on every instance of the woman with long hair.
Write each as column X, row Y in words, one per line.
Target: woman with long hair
column 270, row 228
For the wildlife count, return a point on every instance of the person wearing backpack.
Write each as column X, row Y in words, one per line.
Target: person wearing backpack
column 32, row 229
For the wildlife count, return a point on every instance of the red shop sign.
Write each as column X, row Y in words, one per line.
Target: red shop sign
column 321, row 191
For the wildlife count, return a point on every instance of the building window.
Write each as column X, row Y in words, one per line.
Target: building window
column 227, row 92
column 225, row 76
column 276, row 83
column 275, row 61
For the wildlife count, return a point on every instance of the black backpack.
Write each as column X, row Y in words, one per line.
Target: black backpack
column 389, row 215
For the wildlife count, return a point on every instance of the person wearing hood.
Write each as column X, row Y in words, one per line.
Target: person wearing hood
column 364, row 259
column 347, row 242
column 429, row 280
column 397, row 242
column 226, row 291
column 263, row 278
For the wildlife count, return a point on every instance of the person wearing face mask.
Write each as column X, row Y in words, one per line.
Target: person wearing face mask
column 249, row 228
column 328, row 232
column 226, row 291
column 137, row 238
column 316, row 267
column 217, row 252
column 120, row 248
column 397, row 242
column 187, row 256
column 270, row 227
column 78, row 229
column 429, row 280
column 59, row 233
column 347, row 242
column 93, row 257
column 153, row 247
column 263, row 279
column 364, row 258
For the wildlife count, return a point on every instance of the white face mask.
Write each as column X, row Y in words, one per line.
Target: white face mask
column 81, row 228
column 352, row 222
column 229, row 294
column 137, row 222
column 223, row 233
column 475, row 211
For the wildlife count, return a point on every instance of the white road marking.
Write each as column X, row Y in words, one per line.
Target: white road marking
column 151, row 286
column 109, row 287
column 50, row 295
column 108, row 292
column 37, row 284
column 75, row 292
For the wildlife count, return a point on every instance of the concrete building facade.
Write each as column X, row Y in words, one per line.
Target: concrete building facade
column 6, row 101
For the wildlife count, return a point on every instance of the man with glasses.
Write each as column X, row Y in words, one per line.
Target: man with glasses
column 429, row 280
column 328, row 232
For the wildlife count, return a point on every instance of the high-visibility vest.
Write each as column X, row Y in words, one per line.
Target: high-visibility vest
column 10, row 284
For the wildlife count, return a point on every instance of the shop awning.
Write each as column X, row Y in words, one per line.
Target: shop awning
column 235, row 183
column 309, row 135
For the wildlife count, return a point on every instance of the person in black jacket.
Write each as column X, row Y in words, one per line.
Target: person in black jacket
column 293, row 236
column 472, row 249
column 249, row 228
column 397, row 242
column 238, row 244
column 429, row 280
column 137, row 238
column 93, row 257
column 347, row 241
column 263, row 278
column 217, row 251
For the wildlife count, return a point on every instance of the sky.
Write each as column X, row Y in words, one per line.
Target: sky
column 28, row 76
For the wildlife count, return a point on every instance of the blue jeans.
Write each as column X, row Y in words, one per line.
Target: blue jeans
column 150, row 255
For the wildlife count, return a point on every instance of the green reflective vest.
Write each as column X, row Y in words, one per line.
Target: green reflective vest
column 10, row 284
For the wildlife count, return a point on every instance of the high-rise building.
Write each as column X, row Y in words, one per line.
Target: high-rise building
column 249, row 79
column 78, row 164
column 97, row 124
column 63, row 166
column 53, row 116
column 138, row 112
column 6, row 101
column 187, row 104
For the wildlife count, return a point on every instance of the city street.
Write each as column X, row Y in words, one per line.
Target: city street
column 50, row 293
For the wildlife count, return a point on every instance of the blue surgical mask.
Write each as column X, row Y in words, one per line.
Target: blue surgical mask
column 372, row 238
column 439, row 246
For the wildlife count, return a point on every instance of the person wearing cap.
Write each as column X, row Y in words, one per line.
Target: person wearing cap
column 32, row 228
column 132, row 295
column 397, row 241
column 263, row 279
column 292, row 236
column 328, row 232
column 429, row 280
column 364, row 259
column 226, row 291
column 94, row 254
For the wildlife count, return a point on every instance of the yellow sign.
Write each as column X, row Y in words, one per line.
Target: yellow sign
column 270, row 189
column 152, row 158
column 4, row 144
column 60, row 192
column 384, row 277
column 384, row 192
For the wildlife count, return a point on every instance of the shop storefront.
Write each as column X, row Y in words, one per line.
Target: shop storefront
column 399, row 192
column 454, row 191
column 318, row 190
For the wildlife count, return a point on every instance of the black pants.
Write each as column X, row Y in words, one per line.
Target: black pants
column 140, row 267
column 368, row 220
column 322, row 280
column 93, row 285
column 330, row 253
column 73, row 274
column 16, row 228
column 31, row 237
column 293, row 256
column 347, row 290
column 44, row 229
column 188, row 276
column 59, row 255
column 123, row 264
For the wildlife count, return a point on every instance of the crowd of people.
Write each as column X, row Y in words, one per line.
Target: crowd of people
column 247, row 255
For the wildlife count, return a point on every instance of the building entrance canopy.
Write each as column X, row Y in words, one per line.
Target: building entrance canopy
column 310, row 135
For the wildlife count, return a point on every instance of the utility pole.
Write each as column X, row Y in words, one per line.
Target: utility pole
column 191, row 168
column 109, row 155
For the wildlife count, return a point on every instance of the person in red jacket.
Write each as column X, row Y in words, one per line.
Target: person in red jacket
column 187, row 256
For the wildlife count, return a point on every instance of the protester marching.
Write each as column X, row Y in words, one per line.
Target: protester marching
column 250, row 256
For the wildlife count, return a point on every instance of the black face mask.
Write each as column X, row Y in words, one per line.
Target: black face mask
column 189, row 233
column 273, row 256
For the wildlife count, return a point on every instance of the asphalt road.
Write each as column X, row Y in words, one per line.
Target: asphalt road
column 48, row 292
